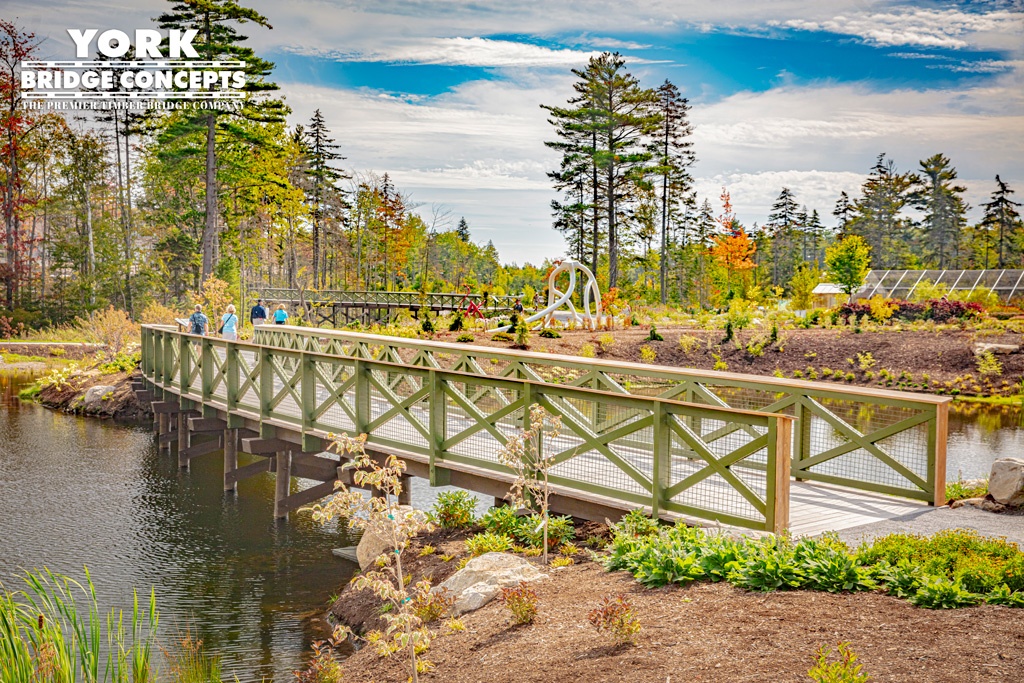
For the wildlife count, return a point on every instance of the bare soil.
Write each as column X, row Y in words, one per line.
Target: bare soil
column 943, row 356
column 714, row 632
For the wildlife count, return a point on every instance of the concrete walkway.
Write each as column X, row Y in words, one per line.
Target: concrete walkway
column 929, row 520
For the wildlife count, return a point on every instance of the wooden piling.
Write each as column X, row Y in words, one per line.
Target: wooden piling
column 405, row 497
column 184, row 439
column 230, row 458
column 282, row 479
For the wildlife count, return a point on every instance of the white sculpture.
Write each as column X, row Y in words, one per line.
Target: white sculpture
column 558, row 298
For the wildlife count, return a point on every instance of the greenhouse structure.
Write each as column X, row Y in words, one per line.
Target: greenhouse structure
column 900, row 284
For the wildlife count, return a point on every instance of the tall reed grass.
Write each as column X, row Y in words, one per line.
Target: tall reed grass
column 52, row 631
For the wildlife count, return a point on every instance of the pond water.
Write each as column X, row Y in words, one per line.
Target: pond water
column 85, row 492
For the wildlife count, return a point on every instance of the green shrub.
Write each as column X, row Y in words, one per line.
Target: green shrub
column 635, row 523
column 427, row 325
column 521, row 602
column 454, row 509
column 828, row 568
column 531, row 533
column 1004, row 596
column 502, row 336
column 488, row 542
column 844, row 670
column 464, row 338
column 457, row 322
column 938, row 592
column 654, row 335
column 616, row 617
column 501, row 520
column 548, row 333
column 769, row 566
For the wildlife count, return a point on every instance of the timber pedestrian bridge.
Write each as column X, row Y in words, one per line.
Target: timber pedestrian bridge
column 711, row 448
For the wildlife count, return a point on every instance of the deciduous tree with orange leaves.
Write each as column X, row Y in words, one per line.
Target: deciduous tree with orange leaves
column 733, row 250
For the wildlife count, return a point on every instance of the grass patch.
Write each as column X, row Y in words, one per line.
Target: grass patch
column 960, row 490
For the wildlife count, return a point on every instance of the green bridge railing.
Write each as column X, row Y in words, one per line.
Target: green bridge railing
column 869, row 439
column 413, row 300
column 699, row 461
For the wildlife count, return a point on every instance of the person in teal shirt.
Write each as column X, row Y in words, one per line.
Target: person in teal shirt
column 280, row 315
column 229, row 324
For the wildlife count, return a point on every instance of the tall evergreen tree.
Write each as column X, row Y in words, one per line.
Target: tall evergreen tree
column 843, row 213
column 619, row 116
column 1003, row 221
column 878, row 215
column 462, row 229
column 783, row 229
column 324, row 178
column 944, row 212
column 219, row 40
column 673, row 154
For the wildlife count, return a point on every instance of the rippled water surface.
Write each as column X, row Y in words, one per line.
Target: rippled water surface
column 84, row 492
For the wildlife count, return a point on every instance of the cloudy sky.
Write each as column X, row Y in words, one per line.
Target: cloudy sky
column 445, row 94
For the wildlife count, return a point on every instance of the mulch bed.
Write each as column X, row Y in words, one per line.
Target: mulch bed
column 714, row 632
column 942, row 355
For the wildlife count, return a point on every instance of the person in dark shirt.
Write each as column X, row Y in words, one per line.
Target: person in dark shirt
column 198, row 322
column 258, row 314
column 518, row 307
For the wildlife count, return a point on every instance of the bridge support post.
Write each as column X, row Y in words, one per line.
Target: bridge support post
column 184, row 439
column 282, row 479
column 162, row 427
column 405, row 497
column 230, row 458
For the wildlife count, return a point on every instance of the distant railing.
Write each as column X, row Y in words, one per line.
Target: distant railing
column 414, row 300
column 635, row 451
column 876, row 440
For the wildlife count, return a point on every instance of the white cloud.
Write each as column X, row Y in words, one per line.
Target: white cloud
column 457, row 52
column 950, row 28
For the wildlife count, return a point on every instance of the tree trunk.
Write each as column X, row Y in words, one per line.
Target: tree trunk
column 210, row 228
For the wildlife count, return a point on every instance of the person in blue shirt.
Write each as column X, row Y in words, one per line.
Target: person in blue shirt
column 229, row 324
column 280, row 315
column 198, row 322
column 258, row 314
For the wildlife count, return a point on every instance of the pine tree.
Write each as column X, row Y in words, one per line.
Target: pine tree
column 673, row 153
column 462, row 230
column 617, row 114
column 843, row 213
column 1003, row 221
column 782, row 229
column 877, row 215
column 944, row 212
column 324, row 178
column 219, row 40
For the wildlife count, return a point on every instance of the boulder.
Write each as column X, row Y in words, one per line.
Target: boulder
column 94, row 396
column 371, row 545
column 981, row 348
column 483, row 577
column 1006, row 481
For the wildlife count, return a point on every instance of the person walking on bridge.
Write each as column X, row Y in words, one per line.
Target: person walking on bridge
column 280, row 315
column 198, row 322
column 229, row 324
column 258, row 314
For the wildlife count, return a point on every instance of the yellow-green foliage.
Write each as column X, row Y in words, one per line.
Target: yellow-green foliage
column 588, row 351
column 988, row 364
column 605, row 341
column 881, row 308
column 865, row 361
column 647, row 354
column 720, row 364
column 926, row 290
column 687, row 342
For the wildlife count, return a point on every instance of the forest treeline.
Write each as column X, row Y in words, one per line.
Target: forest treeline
column 128, row 207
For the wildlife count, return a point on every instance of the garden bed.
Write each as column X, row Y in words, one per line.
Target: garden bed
column 714, row 632
column 931, row 358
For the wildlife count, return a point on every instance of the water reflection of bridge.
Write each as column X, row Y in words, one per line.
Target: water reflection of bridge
column 714, row 448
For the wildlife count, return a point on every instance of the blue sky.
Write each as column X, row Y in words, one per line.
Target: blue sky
column 445, row 94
